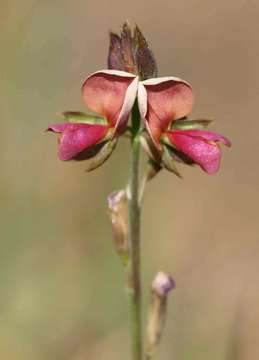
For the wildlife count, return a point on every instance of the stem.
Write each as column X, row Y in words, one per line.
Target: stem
column 133, row 270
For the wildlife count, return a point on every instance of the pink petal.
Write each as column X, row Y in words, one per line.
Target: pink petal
column 208, row 135
column 59, row 128
column 162, row 100
column 77, row 137
column 197, row 145
column 112, row 94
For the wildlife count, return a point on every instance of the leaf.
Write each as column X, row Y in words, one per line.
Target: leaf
column 80, row 117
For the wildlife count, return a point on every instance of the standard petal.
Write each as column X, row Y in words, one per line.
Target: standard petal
column 76, row 138
column 112, row 94
column 200, row 146
column 128, row 103
column 167, row 99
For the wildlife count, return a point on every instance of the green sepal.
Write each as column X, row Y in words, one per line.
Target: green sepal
column 169, row 162
column 149, row 147
column 80, row 117
column 190, row 124
column 103, row 155
column 176, row 154
column 152, row 169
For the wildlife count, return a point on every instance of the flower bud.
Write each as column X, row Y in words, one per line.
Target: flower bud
column 121, row 51
column 163, row 284
column 146, row 63
column 130, row 52
column 118, row 211
column 161, row 287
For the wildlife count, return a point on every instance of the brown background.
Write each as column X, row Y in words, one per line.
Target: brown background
column 61, row 294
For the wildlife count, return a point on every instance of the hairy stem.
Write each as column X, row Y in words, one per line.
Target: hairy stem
column 133, row 271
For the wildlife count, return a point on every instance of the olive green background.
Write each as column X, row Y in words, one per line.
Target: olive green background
column 61, row 285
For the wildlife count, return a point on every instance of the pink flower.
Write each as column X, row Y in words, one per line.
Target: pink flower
column 76, row 138
column 201, row 146
column 162, row 102
column 111, row 95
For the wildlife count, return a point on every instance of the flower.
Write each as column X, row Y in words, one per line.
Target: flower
column 118, row 211
column 111, row 95
column 164, row 104
column 163, row 284
column 201, row 146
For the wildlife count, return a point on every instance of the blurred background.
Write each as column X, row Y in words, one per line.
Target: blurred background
column 61, row 285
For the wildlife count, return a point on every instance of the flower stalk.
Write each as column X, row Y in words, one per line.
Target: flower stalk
column 133, row 270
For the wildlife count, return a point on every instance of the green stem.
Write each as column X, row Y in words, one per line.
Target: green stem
column 133, row 270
